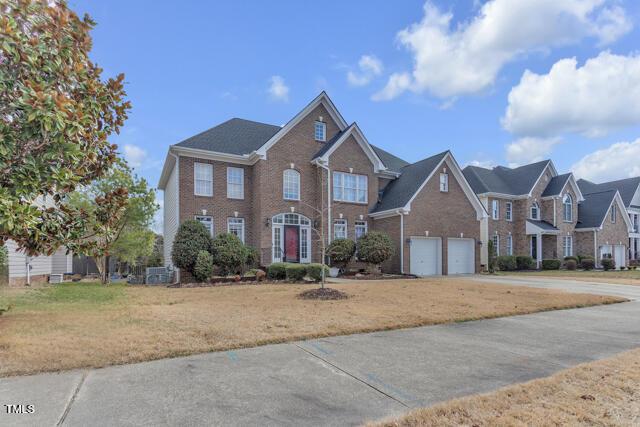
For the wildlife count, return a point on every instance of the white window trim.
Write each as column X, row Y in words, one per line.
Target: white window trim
column 509, row 245
column 566, row 246
column 229, row 193
column 537, row 206
column 495, row 209
column 360, row 224
column 238, row 221
column 284, row 186
column 567, row 201
column 614, row 214
column 508, row 211
column 195, row 179
column 324, row 131
column 199, row 217
column 340, row 223
column 496, row 244
column 357, row 189
column 444, row 182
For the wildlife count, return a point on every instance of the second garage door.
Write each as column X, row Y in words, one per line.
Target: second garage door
column 425, row 257
column 461, row 256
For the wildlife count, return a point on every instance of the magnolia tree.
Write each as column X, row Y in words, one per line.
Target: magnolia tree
column 56, row 114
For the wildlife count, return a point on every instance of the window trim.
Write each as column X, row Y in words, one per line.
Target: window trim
column 495, row 209
column 508, row 211
column 444, row 185
column 195, row 179
column 340, row 222
column 614, row 213
column 360, row 224
column 198, row 218
column 324, row 131
column 284, row 186
column 509, row 244
column 537, row 207
column 566, row 239
column 240, row 221
column 567, row 202
column 230, row 169
column 496, row 243
column 357, row 188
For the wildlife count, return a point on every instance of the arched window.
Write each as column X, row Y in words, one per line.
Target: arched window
column 535, row 211
column 291, row 185
column 567, row 204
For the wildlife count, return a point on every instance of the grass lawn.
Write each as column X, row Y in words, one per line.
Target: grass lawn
column 627, row 277
column 88, row 325
column 603, row 393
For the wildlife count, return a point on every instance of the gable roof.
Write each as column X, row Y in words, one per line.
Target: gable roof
column 556, row 184
column 393, row 163
column 593, row 210
column 235, row 136
column 503, row 180
column 627, row 187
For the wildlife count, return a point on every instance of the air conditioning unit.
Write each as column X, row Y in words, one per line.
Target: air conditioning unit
column 55, row 278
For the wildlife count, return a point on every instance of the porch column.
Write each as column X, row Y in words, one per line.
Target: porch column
column 539, row 249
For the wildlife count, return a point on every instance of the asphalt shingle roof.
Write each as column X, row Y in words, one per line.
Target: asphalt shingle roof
column 627, row 187
column 556, row 184
column 542, row 224
column 392, row 162
column 592, row 211
column 516, row 181
column 399, row 191
column 330, row 143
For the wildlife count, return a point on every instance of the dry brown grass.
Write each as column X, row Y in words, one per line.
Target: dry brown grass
column 92, row 326
column 628, row 277
column 603, row 393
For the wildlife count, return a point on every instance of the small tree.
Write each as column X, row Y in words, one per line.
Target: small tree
column 341, row 251
column 191, row 238
column 203, row 267
column 229, row 253
column 374, row 248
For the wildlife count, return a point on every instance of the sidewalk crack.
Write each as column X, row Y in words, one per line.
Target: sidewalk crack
column 72, row 399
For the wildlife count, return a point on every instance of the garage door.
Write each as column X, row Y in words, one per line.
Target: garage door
column 619, row 256
column 425, row 256
column 461, row 256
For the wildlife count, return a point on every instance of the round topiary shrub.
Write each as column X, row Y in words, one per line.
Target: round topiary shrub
column 375, row 248
column 567, row 258
column 277, row 271
column 203, row 267
column 191, row 238
column 551, row 264
column 341, row 251
column 524, row 262
column 587, row 263
column 571, row 264
column 507, row 263
column 608, row 264
column 229, row 253
column 314, row 271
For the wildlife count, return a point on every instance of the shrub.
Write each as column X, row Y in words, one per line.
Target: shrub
column 571, row 257
column 571, row 264
column 277, row 271
column 295, row 272
column 375, row 248
column 252, row 257
column 341, row 251
column 491, row 250
column 634, row 263
column 191, row 238
column 550, row 264
column 524, row 262
column 314, row 271
column 507, row 263
column 608, row 264
column 588, row 263
column 229, row 254
column 203, row 266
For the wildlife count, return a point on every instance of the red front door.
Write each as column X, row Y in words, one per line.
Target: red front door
column 291, row 243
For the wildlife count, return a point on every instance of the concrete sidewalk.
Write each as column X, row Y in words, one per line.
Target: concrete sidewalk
column 333, row 381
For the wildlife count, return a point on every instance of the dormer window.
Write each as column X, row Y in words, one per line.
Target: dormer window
column 320, row 131
column 535, row 211
column 567, row 204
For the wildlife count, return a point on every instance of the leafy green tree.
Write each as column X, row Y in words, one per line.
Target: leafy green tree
column 156, row 259
column 113, row 227
column 191, row 238
column 56, row 114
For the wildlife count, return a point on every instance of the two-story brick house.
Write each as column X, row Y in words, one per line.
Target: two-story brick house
column 534, row 211
column 280, row 188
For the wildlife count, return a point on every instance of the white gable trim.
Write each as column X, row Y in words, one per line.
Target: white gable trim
column 322, row 99
column 554, row 172
column 355, row 131
column 572, row 181
column 622, row 212
column 457, row 173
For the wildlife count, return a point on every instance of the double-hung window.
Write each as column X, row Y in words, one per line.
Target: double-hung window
column 496, row 244
column 508, row 211
column 236, row 226
column 509, row 245
column 320, row 131
column 444, row 182
column 535, row 211
column 567, row 204
column 567, row 245
column 235, row 183
column 348, row 187
column 207, row 221
column 291, row 185
column 203, row 179
column 495, row 209
column 340, row 229
column 361, row 229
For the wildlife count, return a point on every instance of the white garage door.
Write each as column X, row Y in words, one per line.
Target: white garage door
column 619, row 256
column 425, row 256
column 461, row 256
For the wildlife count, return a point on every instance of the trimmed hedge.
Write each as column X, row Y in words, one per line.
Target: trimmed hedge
column 551, row 264
column 608, row 264
column 524, row 262
column 375, row 247
column 588, row 263
column 295, row 272
column 507, row 263
column 314, row 271
column 277, row 271
column 571, row 257
column 571, row 264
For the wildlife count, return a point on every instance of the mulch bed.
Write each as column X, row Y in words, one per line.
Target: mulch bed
column 371, row 276
column 323, row 294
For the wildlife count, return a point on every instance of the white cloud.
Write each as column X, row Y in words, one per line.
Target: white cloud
column 529, row 150
column 487, row 164
column 398, row 83
column 278, row 90
column 466, row 59
column 591, row 100
column 369, row 67
column 617, row 161
column 134, row 155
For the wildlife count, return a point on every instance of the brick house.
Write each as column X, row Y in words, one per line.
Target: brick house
column 278, row 187
column 535, row 211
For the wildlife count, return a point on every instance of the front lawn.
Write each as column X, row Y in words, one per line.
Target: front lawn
column 626, row 277
column 88, row 325
column 603, row 393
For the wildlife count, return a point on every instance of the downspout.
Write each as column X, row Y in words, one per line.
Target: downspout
column 177, row 166
column 554, row 212
column 401, row 242
column 595, row 247
column 328, row 200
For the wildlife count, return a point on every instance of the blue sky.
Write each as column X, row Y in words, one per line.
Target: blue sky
column 190, row 65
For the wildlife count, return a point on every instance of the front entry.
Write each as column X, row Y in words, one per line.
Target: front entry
column 534, row 247
column 291, row 243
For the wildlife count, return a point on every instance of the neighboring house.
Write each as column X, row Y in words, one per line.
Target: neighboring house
column 276, row 187
column 532, row 210
column 629, row 190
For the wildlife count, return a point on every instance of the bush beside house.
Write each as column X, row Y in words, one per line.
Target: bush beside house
column 551, row 264
column 341, row 252
column 374, row 248
column 608, row 264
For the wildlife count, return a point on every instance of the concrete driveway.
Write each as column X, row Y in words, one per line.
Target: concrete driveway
column 333, row 381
